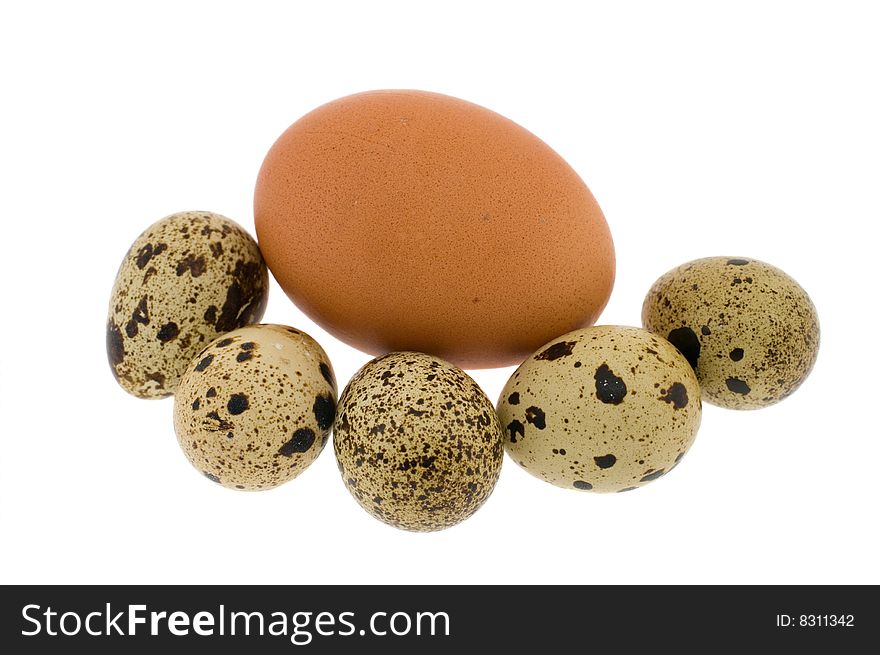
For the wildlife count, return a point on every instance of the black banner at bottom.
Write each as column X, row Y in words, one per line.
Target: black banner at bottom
column 333, row 619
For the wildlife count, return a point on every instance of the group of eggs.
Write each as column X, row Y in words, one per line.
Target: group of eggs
column 417, row 442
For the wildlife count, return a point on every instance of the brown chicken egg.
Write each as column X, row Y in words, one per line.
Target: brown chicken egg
column 407, row 220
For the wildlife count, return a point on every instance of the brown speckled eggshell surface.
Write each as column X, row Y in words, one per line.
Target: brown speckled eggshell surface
column 603, row 409
column 408, row 220
column 185, row 280
column 417, row 442
column 255, row 408
column 748, row 329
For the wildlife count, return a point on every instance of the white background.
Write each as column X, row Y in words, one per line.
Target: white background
column 747, row 129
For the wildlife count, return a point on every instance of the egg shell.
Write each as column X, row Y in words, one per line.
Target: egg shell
column 256, row 407
column 748, row 329
column 417, row 442
column 604, row 409
column 186, row 279
column 408, row 220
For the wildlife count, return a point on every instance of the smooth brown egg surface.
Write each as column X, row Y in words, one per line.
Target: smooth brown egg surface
column 407, row 220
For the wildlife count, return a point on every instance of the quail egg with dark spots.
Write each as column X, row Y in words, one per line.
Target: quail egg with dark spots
column 417, row 442
column 186, row 279
column 748, row 329
column 604, row 409
column 256, row 406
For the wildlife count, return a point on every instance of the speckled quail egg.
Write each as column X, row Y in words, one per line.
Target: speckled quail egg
column 606, row 408
column 417, row 441
column 749, row 330
column 256, row 406
column 188, row 278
